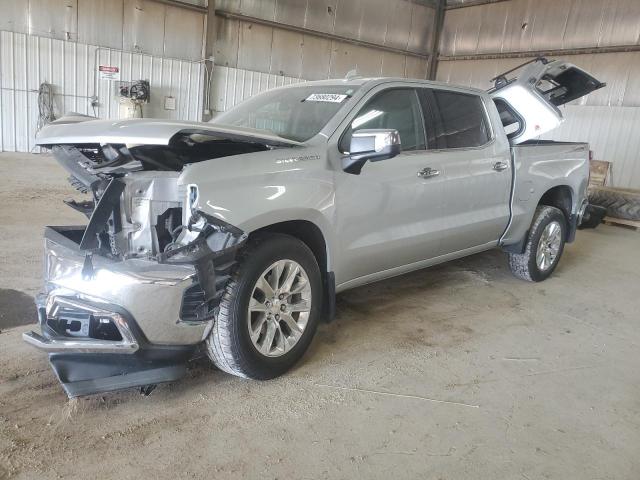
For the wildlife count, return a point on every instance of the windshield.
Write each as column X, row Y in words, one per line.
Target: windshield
column 295, row 113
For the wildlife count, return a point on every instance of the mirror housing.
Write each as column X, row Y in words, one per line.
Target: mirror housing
column 373, row 145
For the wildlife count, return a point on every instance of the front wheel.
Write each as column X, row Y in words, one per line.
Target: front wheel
column 270, row 310
column 544, row 246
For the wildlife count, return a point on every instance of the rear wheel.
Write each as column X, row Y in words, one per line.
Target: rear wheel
column 544, row 246
column 270, row 310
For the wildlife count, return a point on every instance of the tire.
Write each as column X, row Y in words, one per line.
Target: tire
column 525, row 265
column 619, row 202
column 229, row 344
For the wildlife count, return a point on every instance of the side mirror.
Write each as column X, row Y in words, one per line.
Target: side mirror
column 373, row 145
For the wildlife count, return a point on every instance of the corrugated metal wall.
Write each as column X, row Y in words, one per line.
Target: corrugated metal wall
column 132, row 25
column 232, row 85
column 28, row 60
column 60, row 42
column 529, row 25
column 612, row 132
column 398, row 24
column 521, row 26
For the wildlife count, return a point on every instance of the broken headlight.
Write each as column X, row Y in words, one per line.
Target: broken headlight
column 190, row 204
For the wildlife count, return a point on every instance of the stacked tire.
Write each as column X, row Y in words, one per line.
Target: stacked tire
column 619, row 202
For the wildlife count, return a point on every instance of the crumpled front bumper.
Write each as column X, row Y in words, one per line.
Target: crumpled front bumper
column 117, row 325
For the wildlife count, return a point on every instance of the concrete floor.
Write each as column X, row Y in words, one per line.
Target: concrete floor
column 456, row 372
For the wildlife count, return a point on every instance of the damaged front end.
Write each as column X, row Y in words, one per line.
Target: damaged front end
column 129, row 297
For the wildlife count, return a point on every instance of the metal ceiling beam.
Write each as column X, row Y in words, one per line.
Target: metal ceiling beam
column 473, row 3
column 426, row 3
column 542, row 53
column 185, row 5
column 316, row 33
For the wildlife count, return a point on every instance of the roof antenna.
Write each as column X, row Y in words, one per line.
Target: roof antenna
column 351, row 74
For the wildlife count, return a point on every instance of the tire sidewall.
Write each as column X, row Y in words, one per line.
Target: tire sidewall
column 272, row 249
column 549, row 215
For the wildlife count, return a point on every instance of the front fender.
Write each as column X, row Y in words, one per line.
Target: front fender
column 255, row 191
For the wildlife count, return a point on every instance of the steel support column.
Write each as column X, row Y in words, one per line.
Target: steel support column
column 438, row 24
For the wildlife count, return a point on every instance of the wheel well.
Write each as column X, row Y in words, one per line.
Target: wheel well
column 306, row 232
column 559, row 197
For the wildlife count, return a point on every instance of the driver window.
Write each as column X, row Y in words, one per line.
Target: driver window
column 398, row 109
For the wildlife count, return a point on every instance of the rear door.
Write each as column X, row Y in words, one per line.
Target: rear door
column 535, row 95
column 475, row 168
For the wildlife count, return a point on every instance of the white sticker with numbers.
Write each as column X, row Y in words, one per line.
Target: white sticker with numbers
column 326, row 97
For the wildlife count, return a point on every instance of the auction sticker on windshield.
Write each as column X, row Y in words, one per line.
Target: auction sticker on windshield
column 326, row 97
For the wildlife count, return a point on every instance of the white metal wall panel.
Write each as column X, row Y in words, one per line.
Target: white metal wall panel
column 403, row 24
column 254, row 52
column 54, row 18
column 227, row 42
column 26, row 61
column 144, row 26
column 397, row 33
column 232, row 85
column 613, row 134
column 416, row 67
column 316, row 57
column 15, row 16
column 321, row 15
column 422, row 21
column 254, row 47
column 374, row 19
column 183, row 33
column 100, row 22
column 529, row 25
column 393, row 64
column 348, row 16
column 291, row 12
column 253, row 8
column 286, row 53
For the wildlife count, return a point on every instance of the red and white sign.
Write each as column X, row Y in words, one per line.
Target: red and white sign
column 109, row 73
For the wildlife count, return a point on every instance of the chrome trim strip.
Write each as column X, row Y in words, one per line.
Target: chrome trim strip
column 77, row 345
column 127, row 345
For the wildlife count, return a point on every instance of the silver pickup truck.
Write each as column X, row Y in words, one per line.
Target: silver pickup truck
column 234, row 236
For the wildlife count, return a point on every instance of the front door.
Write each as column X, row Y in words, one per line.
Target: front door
column 388, row 215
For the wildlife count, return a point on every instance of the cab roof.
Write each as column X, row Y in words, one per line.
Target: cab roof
column 373, row 81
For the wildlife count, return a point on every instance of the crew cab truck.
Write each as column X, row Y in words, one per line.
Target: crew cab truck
column 234, row 236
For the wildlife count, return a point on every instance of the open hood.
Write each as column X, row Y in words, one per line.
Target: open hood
column 91, row 149
column 528, row 104
column 83, row 130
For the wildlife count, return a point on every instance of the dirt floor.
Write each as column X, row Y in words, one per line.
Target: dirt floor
column 457, row 372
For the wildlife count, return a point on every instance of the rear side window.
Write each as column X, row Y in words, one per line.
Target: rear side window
column 511, row 121
column 454, row 120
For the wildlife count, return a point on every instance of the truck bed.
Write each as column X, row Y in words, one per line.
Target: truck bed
column 538, row 166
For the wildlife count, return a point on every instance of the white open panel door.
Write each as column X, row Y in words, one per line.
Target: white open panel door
column 528, row 104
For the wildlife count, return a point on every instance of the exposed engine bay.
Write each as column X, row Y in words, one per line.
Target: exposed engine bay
column 138, row 209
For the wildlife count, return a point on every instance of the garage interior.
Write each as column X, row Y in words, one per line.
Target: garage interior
column 458, row 371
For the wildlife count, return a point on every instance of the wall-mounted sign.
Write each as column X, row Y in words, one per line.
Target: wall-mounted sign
column 109, row 73
column 169, row 103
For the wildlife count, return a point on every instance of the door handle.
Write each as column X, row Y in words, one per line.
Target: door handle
column 500, row 166
column 428, row 172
